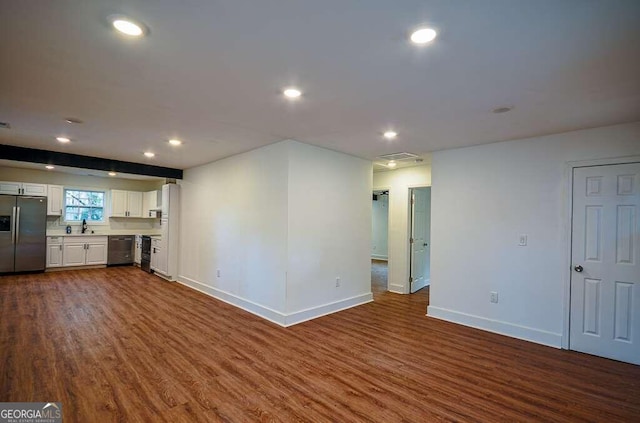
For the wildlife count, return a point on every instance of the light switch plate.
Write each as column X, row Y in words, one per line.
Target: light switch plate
column 522, row 240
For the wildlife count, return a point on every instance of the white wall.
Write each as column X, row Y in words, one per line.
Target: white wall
column 482, row 198
column 398, row 183
column 234, row 218
column 380, row 227
column 329, row 231
column 280, row 222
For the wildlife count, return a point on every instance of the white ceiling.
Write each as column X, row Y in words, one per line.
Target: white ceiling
column 211, row 72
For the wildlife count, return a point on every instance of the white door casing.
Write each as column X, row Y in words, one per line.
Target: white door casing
column 605, row 253
column 420, row 234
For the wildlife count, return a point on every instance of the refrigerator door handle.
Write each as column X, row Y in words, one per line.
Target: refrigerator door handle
column 17, row 228
column 13, row 227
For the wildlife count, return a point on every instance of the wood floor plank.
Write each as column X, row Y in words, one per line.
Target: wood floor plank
column 118, row 344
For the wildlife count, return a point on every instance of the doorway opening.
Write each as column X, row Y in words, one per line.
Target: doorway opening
column 380, row 241
column 419, row 238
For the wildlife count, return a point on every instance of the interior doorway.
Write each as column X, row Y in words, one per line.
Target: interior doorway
column 379, row 241
column 419, row 238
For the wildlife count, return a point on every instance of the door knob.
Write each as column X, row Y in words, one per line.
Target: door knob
column 578, row 269
column 425, row 244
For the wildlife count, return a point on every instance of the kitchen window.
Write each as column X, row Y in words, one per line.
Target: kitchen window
column 81, row 204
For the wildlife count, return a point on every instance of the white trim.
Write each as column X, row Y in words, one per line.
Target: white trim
column 106, row 209
column 322, row 310
column 81, row 267
column 605, row 161
column 389, row 226
column 379, row 257
column 270, row 314
column 232, row 299
column 496, row 326
column 398, row 289
column 568, row 228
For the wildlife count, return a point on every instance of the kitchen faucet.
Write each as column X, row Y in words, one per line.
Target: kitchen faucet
column 84, row 225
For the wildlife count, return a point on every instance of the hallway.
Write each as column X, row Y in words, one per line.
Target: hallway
column 379, row 275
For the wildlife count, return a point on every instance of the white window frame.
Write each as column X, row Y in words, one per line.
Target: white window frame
column 105, row 208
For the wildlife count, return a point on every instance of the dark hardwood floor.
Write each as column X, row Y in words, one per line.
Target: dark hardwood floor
column 120, row 345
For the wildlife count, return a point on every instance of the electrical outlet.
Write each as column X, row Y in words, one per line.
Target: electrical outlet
column 522, row 240
column 493, row 295
column 337, row 282
column 218, row 273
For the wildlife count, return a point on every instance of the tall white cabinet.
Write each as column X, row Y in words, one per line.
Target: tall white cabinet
column 166, row 261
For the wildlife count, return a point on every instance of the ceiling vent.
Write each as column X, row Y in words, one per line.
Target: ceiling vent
column 398, row 157
column 4, row 125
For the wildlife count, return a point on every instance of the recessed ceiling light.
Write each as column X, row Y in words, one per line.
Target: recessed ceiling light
column 502, row 109
column 292, row 92
column 423, row 36
column 50, row 167
column 175, row 142
column 391, row 164
column 127, row 26
column 72, row 120
column 63, row 139
column 112, row 174
column 390, row 135
column 149, row 154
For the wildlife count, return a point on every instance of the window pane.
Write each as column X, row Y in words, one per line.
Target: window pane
column 88, row 205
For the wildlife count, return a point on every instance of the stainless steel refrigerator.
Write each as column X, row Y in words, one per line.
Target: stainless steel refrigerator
column 23, row 241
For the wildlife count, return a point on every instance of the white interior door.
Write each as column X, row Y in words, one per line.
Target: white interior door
column 605, row 278
column 420, row 234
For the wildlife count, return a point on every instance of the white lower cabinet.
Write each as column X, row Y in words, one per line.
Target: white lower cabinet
column 97, row 252
column 137, row 252
column 74, row 255
column 76, row 251
column 156, row 255
column 54, row 251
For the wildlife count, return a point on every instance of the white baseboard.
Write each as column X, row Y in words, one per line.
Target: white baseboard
column 229, row 298
column 91, row 266
column 275, row 316
column 496, row 326
column 398, row 289
column 322, row 310
column 379, row 257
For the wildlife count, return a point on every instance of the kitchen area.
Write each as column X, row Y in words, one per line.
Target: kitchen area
column 54, row 221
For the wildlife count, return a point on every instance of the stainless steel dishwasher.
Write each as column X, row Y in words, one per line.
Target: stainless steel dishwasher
column 120, row 249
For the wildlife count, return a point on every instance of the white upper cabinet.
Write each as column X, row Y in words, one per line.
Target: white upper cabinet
column 118, row 203
column 126, row 203
column 23, row 188
column 10, row 188
column 34, row 189
column 150, row 203
column 55, row 200
column 134, row 203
